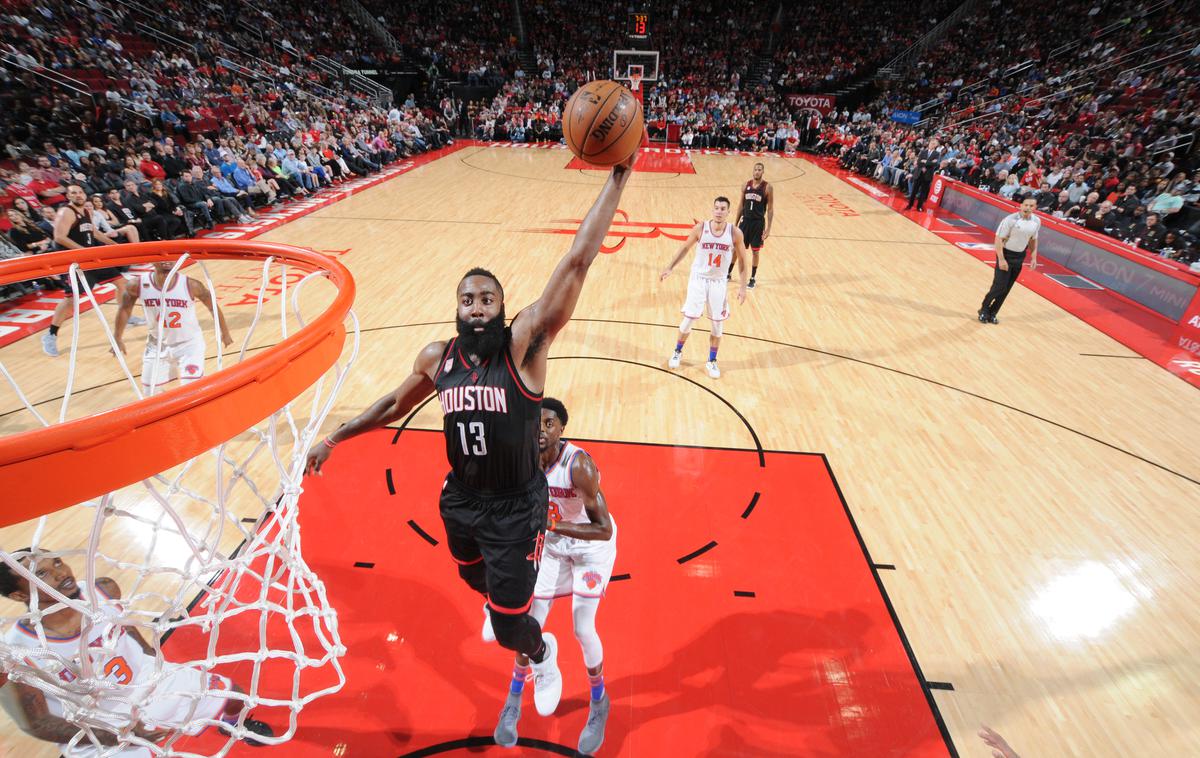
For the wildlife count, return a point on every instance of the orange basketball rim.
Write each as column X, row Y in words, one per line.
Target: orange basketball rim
column 45, row 470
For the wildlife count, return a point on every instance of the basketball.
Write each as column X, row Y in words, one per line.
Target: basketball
column 603, row 123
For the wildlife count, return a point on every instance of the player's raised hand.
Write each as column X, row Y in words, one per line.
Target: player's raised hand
column 622, row 170
column 1000, row 747
column 317, row 455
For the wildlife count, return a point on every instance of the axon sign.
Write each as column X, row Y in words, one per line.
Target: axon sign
column 823, row 104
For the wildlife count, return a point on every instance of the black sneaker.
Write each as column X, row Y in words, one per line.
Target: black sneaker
column 750, row 284
column 992, row 319
column 260, row 728
column 983, row 317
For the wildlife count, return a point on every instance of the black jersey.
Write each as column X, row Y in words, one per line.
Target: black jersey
column 490, row 419
column 81, row 228
column 754, row 201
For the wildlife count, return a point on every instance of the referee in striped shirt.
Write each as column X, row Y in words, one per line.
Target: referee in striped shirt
column 1016, row 236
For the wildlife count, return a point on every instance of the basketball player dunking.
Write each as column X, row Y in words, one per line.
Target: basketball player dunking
column 720, row 244
column 581, row 548
column 754, row 216
column 489, row 381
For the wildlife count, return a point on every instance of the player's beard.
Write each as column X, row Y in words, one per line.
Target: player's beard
column 483, row 344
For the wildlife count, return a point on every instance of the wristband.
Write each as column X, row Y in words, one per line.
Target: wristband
column 329, row 443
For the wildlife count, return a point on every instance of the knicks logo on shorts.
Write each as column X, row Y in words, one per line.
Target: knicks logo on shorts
column 592, row 580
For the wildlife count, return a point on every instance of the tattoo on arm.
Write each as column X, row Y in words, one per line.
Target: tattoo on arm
column 535, row 347
column 44, row 725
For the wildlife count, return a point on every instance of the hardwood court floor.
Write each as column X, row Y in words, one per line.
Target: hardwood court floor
column 1038, row 503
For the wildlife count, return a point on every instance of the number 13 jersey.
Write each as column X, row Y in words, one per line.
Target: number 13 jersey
column 490, row 419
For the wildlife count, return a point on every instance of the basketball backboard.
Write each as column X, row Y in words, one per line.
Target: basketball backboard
column 624, row 59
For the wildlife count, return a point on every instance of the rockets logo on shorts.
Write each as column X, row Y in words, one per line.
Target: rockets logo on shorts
column 192, row 370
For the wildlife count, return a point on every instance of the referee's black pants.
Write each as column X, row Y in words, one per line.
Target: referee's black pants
column 1003, row 281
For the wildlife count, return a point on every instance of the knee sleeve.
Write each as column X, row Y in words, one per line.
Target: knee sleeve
column 685, row 326
column 519, row 632
column 718, row 327
column 475, row 576
column 584, row 611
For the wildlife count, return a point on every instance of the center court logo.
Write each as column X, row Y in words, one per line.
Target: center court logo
column 622, row 228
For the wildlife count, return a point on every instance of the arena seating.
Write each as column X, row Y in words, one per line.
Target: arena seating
column 1105, row 99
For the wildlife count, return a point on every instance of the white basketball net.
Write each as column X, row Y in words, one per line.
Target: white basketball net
column 262, row 620
column 635, row 79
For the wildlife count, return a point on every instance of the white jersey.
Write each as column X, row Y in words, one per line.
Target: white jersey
column 562, row 489
column 570, row 565
column 180, row 324
column 115, row 656
column 168, row 694
column 714, row 252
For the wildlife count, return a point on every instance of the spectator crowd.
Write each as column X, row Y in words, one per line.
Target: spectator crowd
column 168, row 144
column 221, row 110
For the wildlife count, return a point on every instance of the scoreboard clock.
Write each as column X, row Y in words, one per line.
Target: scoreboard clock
column 639, row 25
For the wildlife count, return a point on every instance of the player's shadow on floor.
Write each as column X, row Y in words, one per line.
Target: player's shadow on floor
column 904, row 303
column 776, row 666
column 429, row 624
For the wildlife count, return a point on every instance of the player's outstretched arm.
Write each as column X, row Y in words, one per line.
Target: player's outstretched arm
column 391, row 407
column 128, row 300
column 538, row 324
column 201, row 294
column 586, row 479
column 692, row 238
column 35, row 719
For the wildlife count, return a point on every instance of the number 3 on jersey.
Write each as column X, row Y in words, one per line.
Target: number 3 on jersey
column 479, row 447
column 119, row 668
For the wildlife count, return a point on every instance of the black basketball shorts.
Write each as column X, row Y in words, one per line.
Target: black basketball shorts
column 503, row 531
column 95, row 277
column 752, row 230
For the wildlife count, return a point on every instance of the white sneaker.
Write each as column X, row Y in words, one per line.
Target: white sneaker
column 547, row 680
column 674, row 362
column 713, row 371
column 50, row 345
column 489, row 634
column 137, row 321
